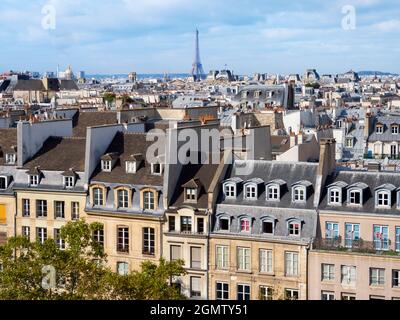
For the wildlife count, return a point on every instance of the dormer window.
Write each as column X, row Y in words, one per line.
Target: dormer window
column 383, row 196
column 273, row 193
column 33, row 180
column 3, row 183
column 250, row 192
column 349, row 142
column 230, row 190
column 98, row 198
column 130, row 166
column 299, row 194
column 244, row 225
column 106, row 165
column 267, row 226
column 244, row 94
column 257, row 94
column 395, row 129
column 156, row 168
column 379, row 128
column 294, row 228
column 355, row 197
column 223, row 223
column 11, row 158
column 191, row 194
column 69, row 182
column 334, row 197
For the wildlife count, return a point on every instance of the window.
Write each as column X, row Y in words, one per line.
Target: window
column 33, row 180
column 200, row 225
column 26, row 207
column 123, row 198
column 123, row 268
column 381, row 237
column 331, row 230
column 3, row 183
column 186, row 224
column 243, row 292
column 244, row 225
column 395, row 278
column 266, row 260
column 352, row 234
column 348, row 296
column 349, row 142
column 148, row 241
column 123, row 239
column 376, row 277
column 230, row 190
column 41, row 235
column 11, row 158
column 376, row 298
column 294, row 228
column 265, row 293
column 195, row 257
column 130, row 167
column 397, row 239
column 222, row 291
column 69, row 182
column 328, row 272
column 57, row 238
column 175, row 253
column 171, row 224
column 349, row 274
column 291, row 294
column 191, row 194
column 291, row 264
column 273, row 193
column 98, row 199
column 75, row 210
column 98, row 236
column 251, row 192
column 59, row 212
column 224, row 224
column 41, row 208
column 379, row 129
column 355, row 197
column 299, row 194
column 395, row 129
column 26, row 232
column 222, row 257
column 243, row 259
column 383, row 199
column 148, row 200
column 334, row 197
column 156, row 168
column 195, row 287
column 106, row 165
column 268, row 227
column 327, row 295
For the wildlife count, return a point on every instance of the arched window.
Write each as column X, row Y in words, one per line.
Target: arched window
column 273, row 193
column 245, row 225
column 123, row 198
column 98, row 196
column 148, row 200
column 294, row 227
column 250, row 191
column 230, row 190
column 299, row 194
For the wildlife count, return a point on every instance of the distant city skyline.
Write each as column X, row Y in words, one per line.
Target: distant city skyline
column 157, row 36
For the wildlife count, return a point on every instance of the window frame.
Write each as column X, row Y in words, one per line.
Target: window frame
column 297, row 189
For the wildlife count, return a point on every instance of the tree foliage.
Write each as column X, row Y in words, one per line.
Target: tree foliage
column 43, row 271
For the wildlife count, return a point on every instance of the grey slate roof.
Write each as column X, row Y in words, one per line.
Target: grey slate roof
column 387, row 135
column 370, row 180
column 268, row 171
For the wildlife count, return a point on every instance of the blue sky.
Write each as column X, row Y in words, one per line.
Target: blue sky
column 155, row 36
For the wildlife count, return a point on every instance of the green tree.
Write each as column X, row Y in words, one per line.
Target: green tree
column 109, row 97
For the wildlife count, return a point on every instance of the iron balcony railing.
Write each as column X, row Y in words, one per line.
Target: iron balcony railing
column 382, row 156
column 378, row 246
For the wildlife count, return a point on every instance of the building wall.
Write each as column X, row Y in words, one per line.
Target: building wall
column 277, row 280
column 7, row 202
column 49, row 222
column 135, row 223
column 362, row 288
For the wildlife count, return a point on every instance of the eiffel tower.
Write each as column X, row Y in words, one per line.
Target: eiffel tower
column 197, row 67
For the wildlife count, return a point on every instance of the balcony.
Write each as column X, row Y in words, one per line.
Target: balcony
column 381, row 246
column 382, row 156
